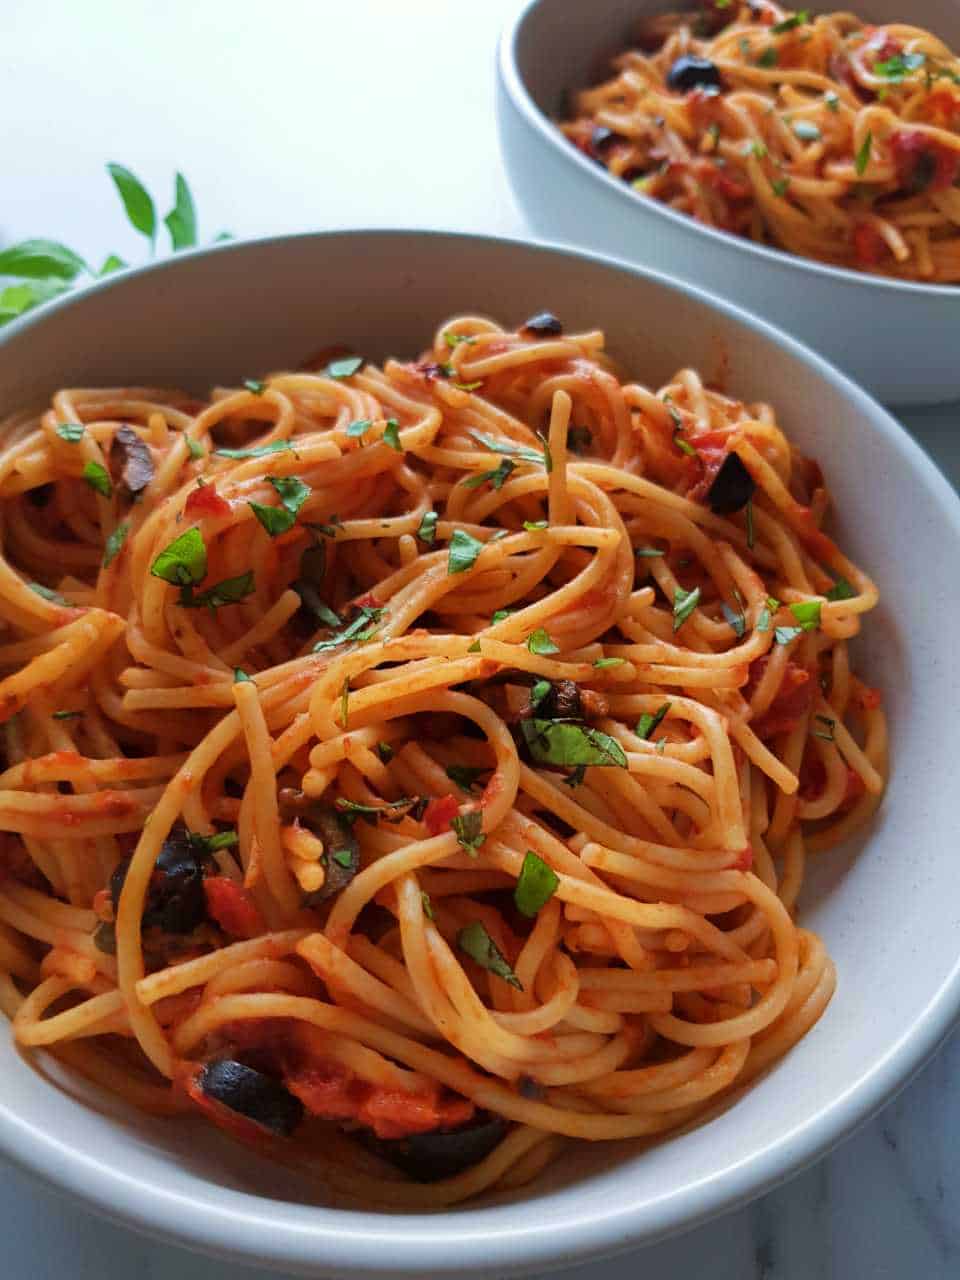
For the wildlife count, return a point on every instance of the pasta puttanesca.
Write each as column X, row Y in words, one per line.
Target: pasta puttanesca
column 815, row 133
column 427, row 755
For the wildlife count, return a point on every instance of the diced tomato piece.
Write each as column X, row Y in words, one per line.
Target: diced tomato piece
column 790, row 702
column 714, row 176
column 230, row 905
column 205, row 501
column 868, row 244
column 439, row 813
column 923, row 164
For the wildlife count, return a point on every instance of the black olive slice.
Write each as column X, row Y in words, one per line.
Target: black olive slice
column 733, row 487
column 430, row 1157
column 175, row 901
column 690, row 72
column 544, row 324
column 341, row 851
column 260, row 1098
column 136, row 460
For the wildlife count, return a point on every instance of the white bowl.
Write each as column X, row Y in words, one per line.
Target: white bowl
column 897, row 338
column 888, row 907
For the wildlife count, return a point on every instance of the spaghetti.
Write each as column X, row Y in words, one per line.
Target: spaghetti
column 817, row 134
column 412, row 768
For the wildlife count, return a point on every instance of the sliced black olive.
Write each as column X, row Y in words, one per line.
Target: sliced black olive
column 341, row 851
column 544, row 324
column 429, row 1157
column 732, row 487
column 561, row 703
column 690, row 72
column 136, row 460
column 260, row 1098
column 600, row 140
column 175, row 899
column 105, row 938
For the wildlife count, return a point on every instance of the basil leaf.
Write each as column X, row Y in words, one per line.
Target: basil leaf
column 897, row 67
column 229, row 591
column 359, row 427
column 97, row 478
column 70, row 431
column 260, row 451
column 181, row 221
column 841, row 590
column 293, row 494
column 391, row 435
column 768, row 58
column 359, row 629
column 275, row 520
column 210, row 844
column 536, row 526
column 495, row 478
column 538, row 692
column 40, row 260
column 737, row 621
column 469, row 831
column 763, row 619
column 648, row 553
column 454, row 340
column 863, row 155
column 427, row 531
column 240, row 676
column 647, row 722
column 136, row 200
column 536, row 885
column 113, row 544
column 385, row 752
column 343, row 857
column 511, row 449
column 477, row 943
column 500, row 615
column 475, row 647
column 564, row 743
column 541, row 643
column 195, row 447
column 390, row 810
column 579, row 439
column 345, row 368
column 602, row 663
column 463, row 552
column 53, row 596
column 254, row 386
column 465, row 776
column 684, row 603
column 788, row 24
column 779, row 186
column 807, row 613
column 784, row 635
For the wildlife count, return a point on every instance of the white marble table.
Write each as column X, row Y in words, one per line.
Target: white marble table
column 303, row 114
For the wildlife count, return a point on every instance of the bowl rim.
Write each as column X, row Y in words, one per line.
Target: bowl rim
column 521, row 98
column 241, row 1226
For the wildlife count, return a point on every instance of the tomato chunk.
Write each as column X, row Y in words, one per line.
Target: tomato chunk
column 923, row 164
column 868, row 244
column 439, row 813
column 205, row 501
column 230, row 905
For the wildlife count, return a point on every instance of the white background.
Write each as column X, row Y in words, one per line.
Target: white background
column 287, row 116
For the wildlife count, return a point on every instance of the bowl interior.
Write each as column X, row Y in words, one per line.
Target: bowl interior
column 884, row 905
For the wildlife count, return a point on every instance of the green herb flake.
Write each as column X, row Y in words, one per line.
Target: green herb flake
column 259, row 451
column 464, row 550
column 359, row 427
column 784, row 635
column 807, row 613
column 359, row 629
column 564, row 743
column 603, row 663
column 536, row 526
column 113, row 544
column 780, row 186
column 469, row 831
column 648, row 722
column 427, row 529
column 541, row 643
column 863, row 155
column 228, row 591
column 736, row 620
column 210, row 844
column 72, row 432
column 841, row 590
column 538, row 692
column 345, row 368
column 475, row 647
column 684, row 603
column 454, row 340
column 768, row 58
column 255, row 386
column 184, row 561
column 240, row 676
column 343, row 858
column 500, row 615
column 385, row 752
column 827, row 733
column 496, row 478
column 647, row 553
column 832, row 100
column 468, row 386
column 477, row 943
column 899, row 66
column 195, row 448
column 391, row 435
column 465, row 776
column 97, row 477
column 510, row 449
column 390, row 810
column 45, row 592
column 536, row 885
column 789, row 24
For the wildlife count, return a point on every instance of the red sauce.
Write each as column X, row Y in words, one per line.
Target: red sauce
column 791, row 701
column 439, row 813
column 230, row 905
column 868, row 244
column 923, row 164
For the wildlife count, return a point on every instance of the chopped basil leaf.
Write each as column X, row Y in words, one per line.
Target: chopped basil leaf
column 540, row 643
column 66, row 715
column 427, row 908
column 475, row 647
column 53, row 596
column 184, row 561
column 736, row 620
column 275, row 520
column 536, row 885
column 779, row 186
column 326, row 530
column 575, row 776
column 469, row 831
column 195, row 447
column 385, row 752
column 795, row 20
column 255, row 386
column 755, row 148
column 536, row 526
column 863, row 155
column 511, row 449
column 477, row 943
column 538, row 692
column 897, row 67
column 602, row 663
column 97, row 478
column 345, row 368
column 768, row 58
column 229, row 591
column 343, row 857
column 684, row 603
column 240, row 676
column 390, row 810
column 579, row 439
column 684, row 445
column 547, row 455
column 210, row 844
column 500, row 615
column 841, row 590
column 359, row 426
column 647, row 722
column 807, row 613
column 784, row 635
column 495, row 478
column 113, row 544
column 260, row 451
column 427, row 531
column 70, row 431
column 454, row 340
column 806, row 131
column 361, row 628
column 561, row 742
column 465, row 775
column 648, row 553
column 464, row 550
column 763, row 619
column 293, row 494
column 773, row 604
column 391, row 435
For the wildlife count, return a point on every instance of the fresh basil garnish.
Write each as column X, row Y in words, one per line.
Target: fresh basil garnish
column 477, row 943
column 536, row 885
